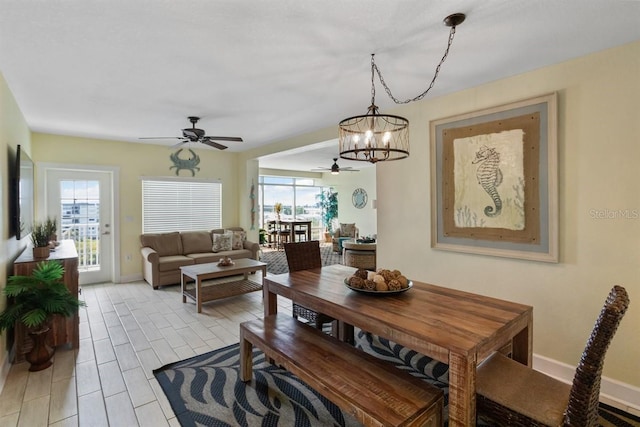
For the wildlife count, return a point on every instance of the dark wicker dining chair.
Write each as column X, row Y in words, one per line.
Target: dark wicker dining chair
column 304, row 256
column 512, row 394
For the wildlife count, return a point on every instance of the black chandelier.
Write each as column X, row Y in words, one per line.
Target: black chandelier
column 376, row 137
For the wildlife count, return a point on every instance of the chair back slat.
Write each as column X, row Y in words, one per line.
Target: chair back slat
column 303, row 255
column 582, row 409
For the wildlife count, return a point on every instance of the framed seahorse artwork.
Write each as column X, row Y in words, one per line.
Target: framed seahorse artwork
column 494, row 181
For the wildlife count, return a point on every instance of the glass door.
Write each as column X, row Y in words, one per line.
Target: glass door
column 81, row 202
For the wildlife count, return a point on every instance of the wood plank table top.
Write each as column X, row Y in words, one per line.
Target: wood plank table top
column 455, row 327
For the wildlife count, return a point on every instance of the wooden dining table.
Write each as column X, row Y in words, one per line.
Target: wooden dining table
column 297, row 225
column 289, row 228
column 452, row 326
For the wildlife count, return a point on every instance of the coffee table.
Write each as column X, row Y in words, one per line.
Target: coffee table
column 214, row 291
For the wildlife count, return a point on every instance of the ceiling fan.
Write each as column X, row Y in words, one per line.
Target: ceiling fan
column 194, row 134
column 335, row 169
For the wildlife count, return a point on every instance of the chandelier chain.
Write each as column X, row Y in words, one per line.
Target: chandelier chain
column 375, row 69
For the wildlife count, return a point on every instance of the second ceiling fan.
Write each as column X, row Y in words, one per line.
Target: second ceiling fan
column 194, row 134
column 335, row 169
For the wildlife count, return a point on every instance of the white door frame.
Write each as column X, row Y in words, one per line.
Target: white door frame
column 114, row 173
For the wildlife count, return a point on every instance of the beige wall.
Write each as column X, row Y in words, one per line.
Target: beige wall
column 13, row 131
column 135, row 161
column 345, row 183
column 599, row 149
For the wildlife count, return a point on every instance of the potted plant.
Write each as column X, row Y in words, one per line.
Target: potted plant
column 328, row 202
column 40, row 239
column 52, row 228
column 34, row 300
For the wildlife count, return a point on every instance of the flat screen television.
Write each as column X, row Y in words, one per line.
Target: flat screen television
column 23, row 189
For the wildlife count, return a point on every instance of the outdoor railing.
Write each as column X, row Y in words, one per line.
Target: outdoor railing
column 87, row 241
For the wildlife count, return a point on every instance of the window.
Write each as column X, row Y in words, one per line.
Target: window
column 180, row 205
column 298, row 197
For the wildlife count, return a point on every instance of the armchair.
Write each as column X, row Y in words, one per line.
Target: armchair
column 342, row 233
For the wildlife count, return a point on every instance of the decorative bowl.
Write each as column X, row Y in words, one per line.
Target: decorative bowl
column 374, row 292
column 225, row 262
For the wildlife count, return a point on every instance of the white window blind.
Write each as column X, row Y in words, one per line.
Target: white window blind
column 180, row 205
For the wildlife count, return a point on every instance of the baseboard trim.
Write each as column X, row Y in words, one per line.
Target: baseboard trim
column 130, row 278
column 612, row 392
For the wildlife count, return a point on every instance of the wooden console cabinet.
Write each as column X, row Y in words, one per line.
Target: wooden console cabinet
column 64, row 330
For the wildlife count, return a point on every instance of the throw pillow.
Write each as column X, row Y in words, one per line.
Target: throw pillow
column 222, row 242
column 347, row 230
column 238, row 238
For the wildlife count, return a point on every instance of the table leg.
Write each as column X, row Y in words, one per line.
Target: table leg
column 246, row 358
column 522, row 345
column 182, row 288
column 462, row 390
column 198, row 294
column 345, row 332
column 270, row 300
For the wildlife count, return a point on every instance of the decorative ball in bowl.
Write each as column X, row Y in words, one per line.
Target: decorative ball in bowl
column 381, row 282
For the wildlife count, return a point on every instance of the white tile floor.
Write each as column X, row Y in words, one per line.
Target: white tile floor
column 126, row 331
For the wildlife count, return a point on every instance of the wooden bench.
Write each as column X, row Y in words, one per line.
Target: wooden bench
column 373, row 391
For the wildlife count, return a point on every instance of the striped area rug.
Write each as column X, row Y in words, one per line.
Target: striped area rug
column 205, row 390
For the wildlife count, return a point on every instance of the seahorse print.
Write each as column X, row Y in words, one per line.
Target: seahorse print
column 489, row 177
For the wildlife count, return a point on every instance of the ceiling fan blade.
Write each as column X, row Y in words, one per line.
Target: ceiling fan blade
column 225, row 138
column 178, row 144
column 213, row 144
column 161, row 137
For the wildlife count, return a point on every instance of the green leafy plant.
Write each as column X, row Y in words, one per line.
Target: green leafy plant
column 52, row 227
column 40, row 235
column 328, row 202
column 38, row 297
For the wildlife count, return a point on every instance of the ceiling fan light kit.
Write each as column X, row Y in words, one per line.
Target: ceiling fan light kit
column 376, row 137
column 335, row 169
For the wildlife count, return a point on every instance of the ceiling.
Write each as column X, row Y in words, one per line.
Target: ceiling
column 269, row 70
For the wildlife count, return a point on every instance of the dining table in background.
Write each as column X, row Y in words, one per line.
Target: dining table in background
column 452, row 326
column 290, row 228
column 298, row 226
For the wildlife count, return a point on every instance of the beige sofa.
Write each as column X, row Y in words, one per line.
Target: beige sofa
column 164, row 253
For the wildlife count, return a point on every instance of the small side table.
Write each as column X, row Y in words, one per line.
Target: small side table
column 359, row 255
